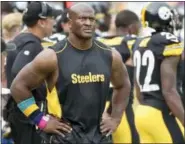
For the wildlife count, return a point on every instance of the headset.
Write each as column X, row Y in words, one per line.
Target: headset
column 44, row 10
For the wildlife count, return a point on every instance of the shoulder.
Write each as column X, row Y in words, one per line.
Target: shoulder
column 46, row 58
column 59, row 45
column 32, row 48
column 101, row 45
column 116, row 54
column 111, row 41
column 164, row 38
column 168, row 43
column 116, row 59
column 47, row 53
column 104, row 50
column 47, row 43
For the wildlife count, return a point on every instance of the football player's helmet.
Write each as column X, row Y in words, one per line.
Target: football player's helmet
column 160, row 16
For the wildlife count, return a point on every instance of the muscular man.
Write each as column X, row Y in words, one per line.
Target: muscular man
column 127, row 27
column 160, row 117
column 82, row 68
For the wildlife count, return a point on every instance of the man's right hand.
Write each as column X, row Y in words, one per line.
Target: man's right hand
column 57, row 126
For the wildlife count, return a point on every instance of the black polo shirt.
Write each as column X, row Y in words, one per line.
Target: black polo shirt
column 28, row 46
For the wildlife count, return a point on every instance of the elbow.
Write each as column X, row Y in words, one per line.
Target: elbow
column 14, row 89
column 127, row 85
column 169, row 93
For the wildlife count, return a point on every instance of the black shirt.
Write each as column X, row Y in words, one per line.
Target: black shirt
column 83, row 84
column 28, row 46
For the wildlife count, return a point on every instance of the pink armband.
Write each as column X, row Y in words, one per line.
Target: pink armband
column 43, row 122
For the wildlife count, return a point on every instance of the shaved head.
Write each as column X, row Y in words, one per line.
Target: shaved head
column 82, row 21
column 80, row 8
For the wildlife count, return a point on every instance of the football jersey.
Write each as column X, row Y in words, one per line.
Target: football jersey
column 148, row 55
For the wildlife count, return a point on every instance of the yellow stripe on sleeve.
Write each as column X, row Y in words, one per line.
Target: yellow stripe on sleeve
column 173, row 50
column 130, row 45
column 30, row 110
column 111, row 42
column 47, row 44
column 144, row 42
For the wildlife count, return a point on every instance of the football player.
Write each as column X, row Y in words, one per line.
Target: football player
column 160, row 117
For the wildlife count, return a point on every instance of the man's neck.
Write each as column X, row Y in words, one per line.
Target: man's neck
column 36, row 32
column 79, row 43
column 122, row 31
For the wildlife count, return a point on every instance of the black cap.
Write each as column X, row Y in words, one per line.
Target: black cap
column 7, row 46
column 40, row 10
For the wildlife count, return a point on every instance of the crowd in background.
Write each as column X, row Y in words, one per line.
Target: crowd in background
column 11, row 16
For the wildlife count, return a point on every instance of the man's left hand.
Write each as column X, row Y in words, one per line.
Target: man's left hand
column 108, row 124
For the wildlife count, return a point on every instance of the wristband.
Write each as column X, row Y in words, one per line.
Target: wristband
column 31, row 110
column 43, row 122
column 28, row 106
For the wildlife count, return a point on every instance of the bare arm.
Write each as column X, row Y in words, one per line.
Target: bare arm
column 168, row 80
column 33, row 74
column 43, row 67
column 121, row 84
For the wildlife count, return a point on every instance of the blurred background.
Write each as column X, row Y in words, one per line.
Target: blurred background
column 105, row 12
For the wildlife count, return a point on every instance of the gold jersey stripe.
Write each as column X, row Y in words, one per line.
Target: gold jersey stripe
column 144, row 42
column 130, row 45
column 104, row 48
column 173, row 50
column 112, row 41
column 53, row 104
column 47, row 44
column 62, row 49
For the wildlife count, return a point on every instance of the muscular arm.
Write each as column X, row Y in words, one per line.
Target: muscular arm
column 33, row 74
column 121, row 84
column 168, row 80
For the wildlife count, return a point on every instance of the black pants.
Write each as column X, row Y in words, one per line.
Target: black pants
column 75, row 137
column 22, row 131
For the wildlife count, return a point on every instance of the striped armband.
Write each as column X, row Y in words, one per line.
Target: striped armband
column 31, row 110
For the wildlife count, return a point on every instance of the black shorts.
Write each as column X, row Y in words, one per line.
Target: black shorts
column 75, row 137
column 22, row 131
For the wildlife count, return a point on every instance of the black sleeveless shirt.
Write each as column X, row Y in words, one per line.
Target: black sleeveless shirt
column 83, row 83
